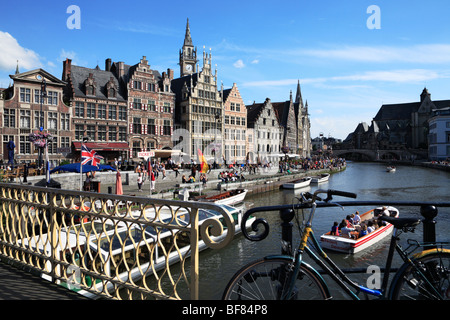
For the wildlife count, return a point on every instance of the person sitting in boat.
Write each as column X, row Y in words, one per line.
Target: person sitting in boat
column 191, row 179
column 356, row 218
column 335, row 229
column 348, row 231
column 363, row 231
column 183, row 179
column 349, row 220
column 370, row 227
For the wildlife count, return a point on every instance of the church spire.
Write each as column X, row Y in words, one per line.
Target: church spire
column 187, row 37
column 298, row 96
column 17, row 67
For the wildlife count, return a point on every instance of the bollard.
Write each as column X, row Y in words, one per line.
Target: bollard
column 429, row 224
column 286, row 230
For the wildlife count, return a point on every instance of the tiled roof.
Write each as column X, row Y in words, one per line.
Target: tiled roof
column 101, row 77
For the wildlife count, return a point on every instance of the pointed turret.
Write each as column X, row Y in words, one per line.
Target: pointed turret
column 187, row 37
column 298, row 96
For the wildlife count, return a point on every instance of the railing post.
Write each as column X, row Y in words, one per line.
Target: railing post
column 429, row 224
column 195, row 233
column 286, row 229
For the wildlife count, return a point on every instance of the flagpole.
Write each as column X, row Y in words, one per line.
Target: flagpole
column 81, row 164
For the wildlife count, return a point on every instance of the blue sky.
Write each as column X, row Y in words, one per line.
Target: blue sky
column 346, row 70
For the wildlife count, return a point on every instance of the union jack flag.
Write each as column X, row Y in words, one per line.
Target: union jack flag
column 89, row 156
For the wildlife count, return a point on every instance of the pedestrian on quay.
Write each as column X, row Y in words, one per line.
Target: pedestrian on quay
column 193, row 170
column 152, row 181
column 139, row 182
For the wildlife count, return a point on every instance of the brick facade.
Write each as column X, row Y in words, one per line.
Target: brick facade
column 150, row 108
column 20, row 115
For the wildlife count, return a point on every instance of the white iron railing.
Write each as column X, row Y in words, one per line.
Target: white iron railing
column 103, row 245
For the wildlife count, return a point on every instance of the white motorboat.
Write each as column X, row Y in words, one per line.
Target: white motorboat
column 322, row 178
column 229, row 198
column 344, row 244
column 297, row 184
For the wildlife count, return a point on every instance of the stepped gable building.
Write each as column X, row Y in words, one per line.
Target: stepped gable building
column 20, row 115
column 303, row 122
column 150, row 107
column 287, row 119
column 402, row 126
column 262, row 119
column 99, row 107
column 199, row 113
column 294, row 120
column 236, row 136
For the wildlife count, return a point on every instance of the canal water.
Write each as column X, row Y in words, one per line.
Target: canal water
column 370, row 181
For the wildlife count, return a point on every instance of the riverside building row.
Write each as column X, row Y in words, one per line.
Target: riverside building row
column 125, row 109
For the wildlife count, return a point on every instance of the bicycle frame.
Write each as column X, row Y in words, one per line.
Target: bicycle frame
column 350, row 287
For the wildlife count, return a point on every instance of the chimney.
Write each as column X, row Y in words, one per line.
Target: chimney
column 108, row 64
column 171, row 74
column 120, row 69
column 67, row 66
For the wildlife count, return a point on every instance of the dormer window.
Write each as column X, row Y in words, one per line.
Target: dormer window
column 90, row 85
column 89, row 90
column 111, row 89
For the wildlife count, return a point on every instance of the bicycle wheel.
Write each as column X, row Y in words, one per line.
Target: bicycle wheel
column 430, row 282
column 268, row 279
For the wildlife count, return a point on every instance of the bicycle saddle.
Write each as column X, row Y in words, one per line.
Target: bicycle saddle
column 401, row 223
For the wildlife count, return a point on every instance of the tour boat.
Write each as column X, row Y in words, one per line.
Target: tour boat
column 297, row 184
column 121, row 243
column 347, row 245
column 322, row 178
column 229, row 198
column 390, row 169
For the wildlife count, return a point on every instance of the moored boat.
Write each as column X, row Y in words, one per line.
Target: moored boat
column 322, row 178
column 390, row 169
column 229, row 198
column 346, row 245
column 297, row 184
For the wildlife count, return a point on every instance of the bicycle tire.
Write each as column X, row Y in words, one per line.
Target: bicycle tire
column 265, row 279
column 408, row 284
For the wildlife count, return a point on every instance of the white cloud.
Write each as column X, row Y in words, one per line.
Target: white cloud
column 256, row 61
column 428, row 53
column 12, row 52
column 393, row 76
column 399, row 76
column 239, row 64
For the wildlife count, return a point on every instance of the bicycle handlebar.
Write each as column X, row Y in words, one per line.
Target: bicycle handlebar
column 306, row 201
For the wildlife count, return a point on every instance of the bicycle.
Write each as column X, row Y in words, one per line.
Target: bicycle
column 423, row 275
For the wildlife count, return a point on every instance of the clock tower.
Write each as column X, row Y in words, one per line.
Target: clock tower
column 188, row 55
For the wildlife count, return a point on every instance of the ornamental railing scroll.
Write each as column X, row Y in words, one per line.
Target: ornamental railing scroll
column 113, row 246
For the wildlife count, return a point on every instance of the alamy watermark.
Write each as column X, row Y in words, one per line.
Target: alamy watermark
column 374, row 21
column 74, row 20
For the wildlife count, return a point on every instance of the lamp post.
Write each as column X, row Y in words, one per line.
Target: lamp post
column 41, row 118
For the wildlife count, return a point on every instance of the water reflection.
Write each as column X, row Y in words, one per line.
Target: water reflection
column 371, row 182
